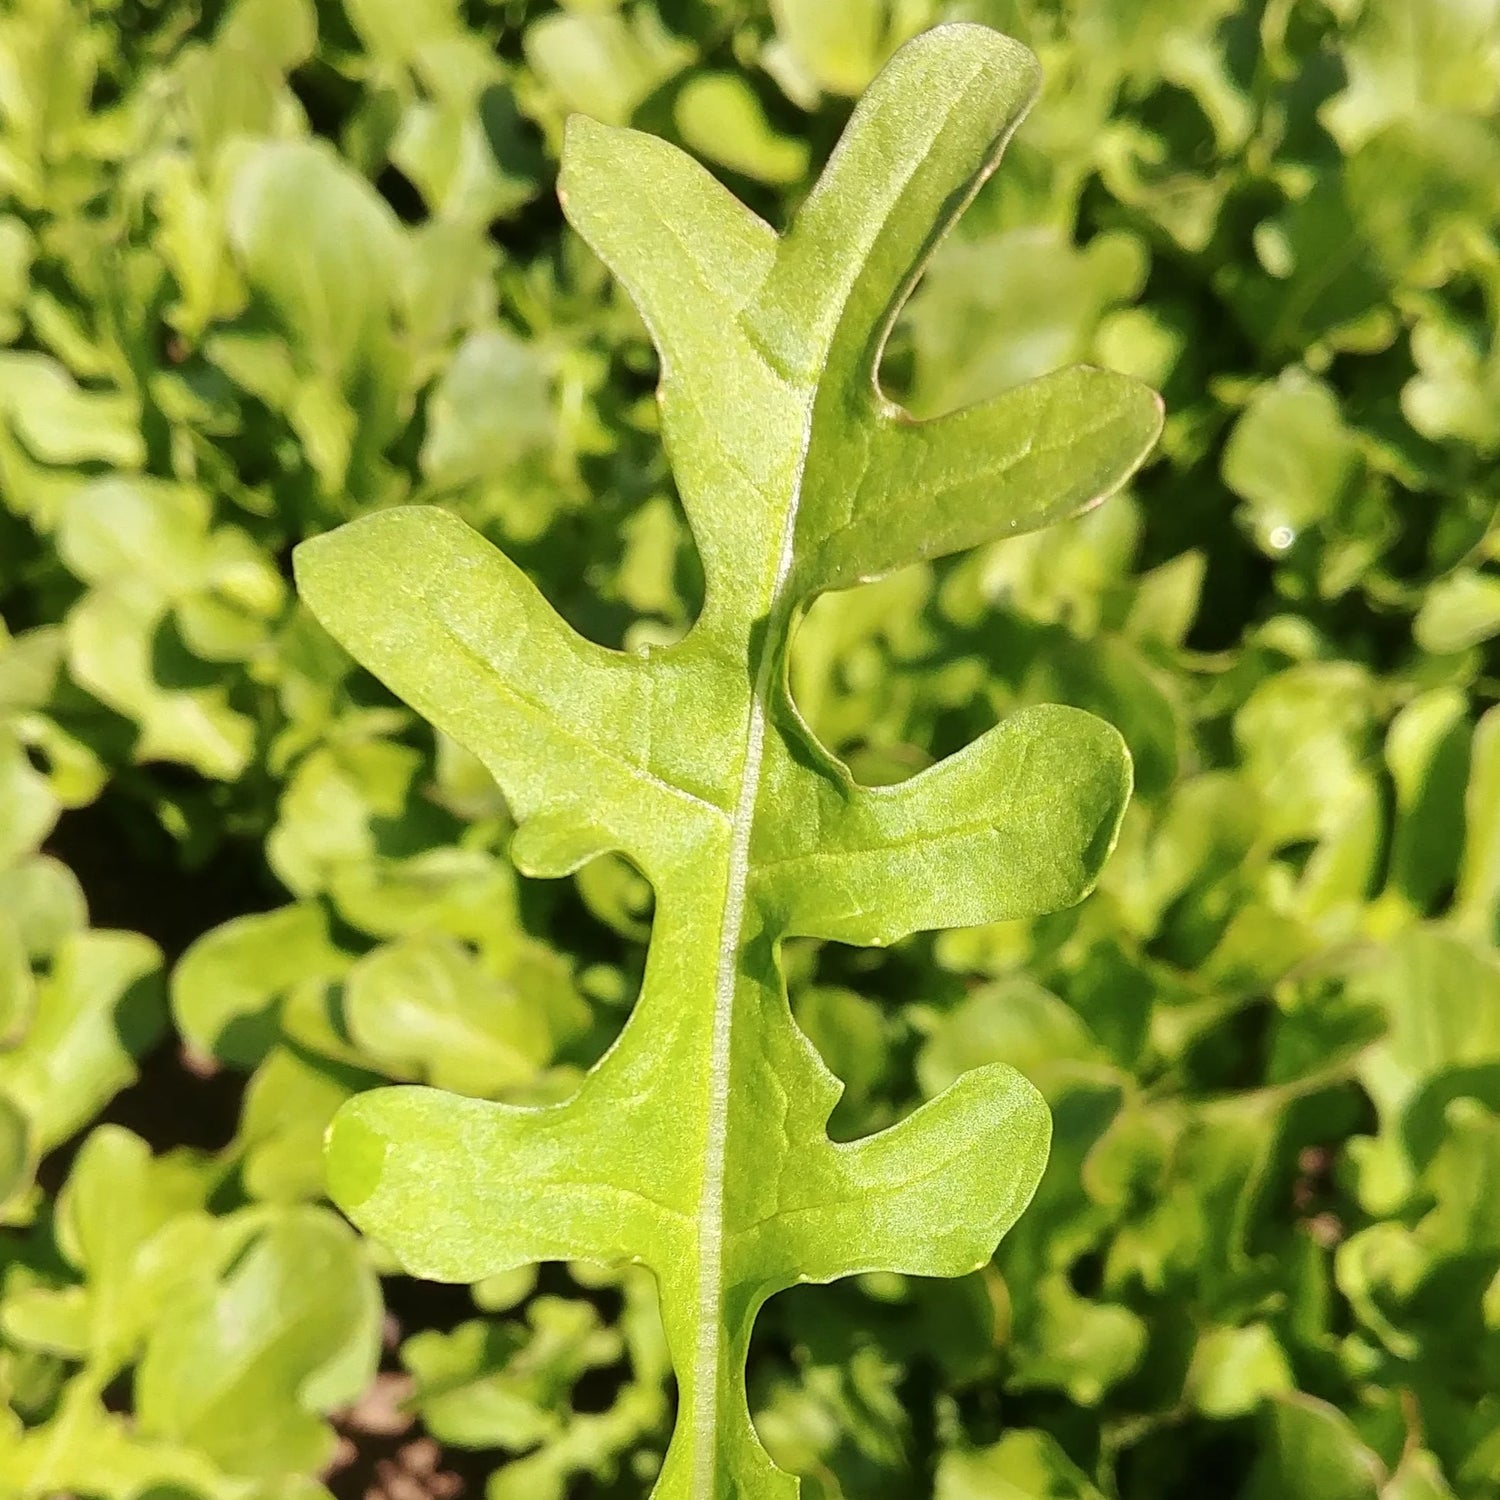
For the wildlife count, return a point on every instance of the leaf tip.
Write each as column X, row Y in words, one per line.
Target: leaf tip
column 587, row 144
column 354, row 1156
column 308, row 558
column 404, row 535
column 992, row 48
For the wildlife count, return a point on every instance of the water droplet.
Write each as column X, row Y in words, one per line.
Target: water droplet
column 1282, row 537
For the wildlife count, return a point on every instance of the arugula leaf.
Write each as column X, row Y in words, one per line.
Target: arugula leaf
column 698, row 1145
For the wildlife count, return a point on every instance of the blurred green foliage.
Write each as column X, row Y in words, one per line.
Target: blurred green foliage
column 270, row 264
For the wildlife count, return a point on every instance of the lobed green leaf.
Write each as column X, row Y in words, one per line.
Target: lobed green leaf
column 698, row 1146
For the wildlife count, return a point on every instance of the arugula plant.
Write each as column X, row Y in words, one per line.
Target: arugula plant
column 698, row 1145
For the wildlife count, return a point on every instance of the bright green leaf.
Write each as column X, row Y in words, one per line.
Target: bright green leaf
column 720, row 117
column 320, row 246
column 1459, row 611
column 1023, row 1465
column 489, row 1385
column 427, row 1011
column 1291, row 459
column 698, row 1145
column 1235, row 1369
column 227, row 987
column 246, row 1365
column 98, row 1009
column 1407, row 58
column 60, row 423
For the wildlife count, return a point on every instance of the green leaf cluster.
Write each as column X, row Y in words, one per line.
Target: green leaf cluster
column 268, row 267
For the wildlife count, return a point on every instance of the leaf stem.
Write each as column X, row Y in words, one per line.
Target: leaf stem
column 708, row 1353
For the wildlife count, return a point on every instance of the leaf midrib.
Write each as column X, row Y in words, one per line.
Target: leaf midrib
column 707, row 1352
column 807, row 384
column 710, row 1225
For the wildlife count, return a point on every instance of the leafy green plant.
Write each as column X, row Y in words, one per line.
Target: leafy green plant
column 267, row 266
column 698, row 1145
